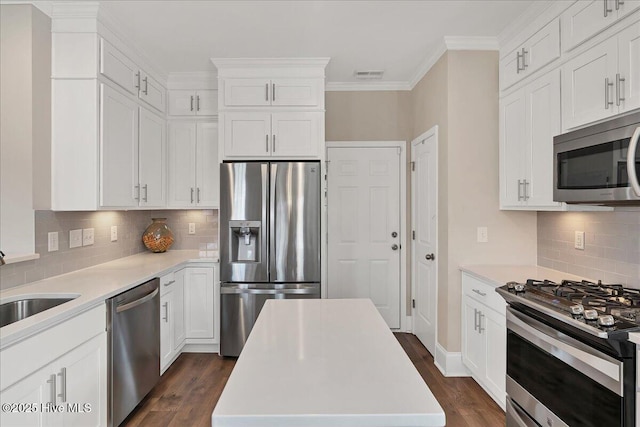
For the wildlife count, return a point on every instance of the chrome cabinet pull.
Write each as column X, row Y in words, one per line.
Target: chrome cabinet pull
column 146, row 86
column 197, row 102
column 170, row 282
column 475, row 319
column 480, row 328
column 191, row 194
column 146, row 191
column 166, row 312
column 520, row 190
column 136, row 189
column 606, row 93
column 518, row 55
column 273, row 92
column 479, row 292
column 52, row 381
column 191, row 102
column 198, row 195
column 526, row 190
column 266, row 91
column 266, row 139
column 606, row 8
column 618, row 4
column 63, row 384
column 273, row 143
column 524, row 58
column 619, row 91
column 138, row 80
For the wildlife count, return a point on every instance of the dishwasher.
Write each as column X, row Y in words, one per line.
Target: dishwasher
column 133, row 326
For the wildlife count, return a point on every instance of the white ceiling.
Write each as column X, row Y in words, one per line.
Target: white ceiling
column 394, row 36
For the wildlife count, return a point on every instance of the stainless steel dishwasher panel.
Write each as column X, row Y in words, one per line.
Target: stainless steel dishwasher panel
column 240, row 305
column 133, row 322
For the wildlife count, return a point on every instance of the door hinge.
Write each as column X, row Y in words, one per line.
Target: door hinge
column 413, row 166
column 413, row 303
column 413, row 235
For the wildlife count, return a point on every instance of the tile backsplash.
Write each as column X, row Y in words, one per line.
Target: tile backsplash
column 131, row 225
column 612, row 245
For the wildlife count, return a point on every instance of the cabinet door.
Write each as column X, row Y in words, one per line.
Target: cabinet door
column 32, row 391
column 118, row 149
column 166, row 329
column 152, row 93
column 588, row 85
column 179, row 329
column 296, row 92
column 206, row 102
column 199, row 302
column 296, row 134
column 247, row 92
column 207, row 166
column 585, row 19
column 82, row 384
column 473, row 342
column 247, row 134
column 153, row 159
column 512, row 148
column 510, row 69
column 629, row 67
column 494, row 329
column 626, row 7
column 118, row 68
column 542, row 48
column 182, row 103
column 542, row 124
column 182, row 164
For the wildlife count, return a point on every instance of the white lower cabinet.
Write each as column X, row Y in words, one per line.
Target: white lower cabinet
column 199, row 298
column 70, row 389
column 484, row 336
column 172, row 311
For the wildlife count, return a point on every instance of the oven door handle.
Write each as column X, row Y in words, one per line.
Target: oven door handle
column 517, row 415
column 631, row 162
column 598, row 366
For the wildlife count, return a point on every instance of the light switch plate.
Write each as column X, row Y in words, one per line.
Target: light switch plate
column 579, row 240
column 52, row 241
column 114, row 233
column 87, row 236
column 192, row 228
column 75, row 238
column 483, row 235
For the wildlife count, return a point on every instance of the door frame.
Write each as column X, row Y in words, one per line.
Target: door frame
column 431, row 132
column 406, row 324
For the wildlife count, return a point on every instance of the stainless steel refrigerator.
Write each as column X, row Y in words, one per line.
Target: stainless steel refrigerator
column 269, row 241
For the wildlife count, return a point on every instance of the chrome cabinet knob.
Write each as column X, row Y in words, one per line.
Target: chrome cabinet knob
column 430, row 257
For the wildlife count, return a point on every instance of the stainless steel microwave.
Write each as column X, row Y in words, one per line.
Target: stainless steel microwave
column 599, row 164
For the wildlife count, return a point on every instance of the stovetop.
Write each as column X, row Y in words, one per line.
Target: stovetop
column 600, row 309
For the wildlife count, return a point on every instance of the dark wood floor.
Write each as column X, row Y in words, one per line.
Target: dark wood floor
column 189, row 390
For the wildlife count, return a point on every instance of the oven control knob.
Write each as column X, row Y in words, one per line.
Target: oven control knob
column 606, row 320
column 590, row 314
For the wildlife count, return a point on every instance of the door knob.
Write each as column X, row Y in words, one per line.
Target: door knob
column 394, row 247
column 394, row 234
column 430, row 257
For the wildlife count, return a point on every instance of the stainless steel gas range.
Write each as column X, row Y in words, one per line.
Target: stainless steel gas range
column 569, row 362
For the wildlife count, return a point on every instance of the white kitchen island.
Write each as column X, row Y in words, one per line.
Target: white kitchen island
column 324, row 362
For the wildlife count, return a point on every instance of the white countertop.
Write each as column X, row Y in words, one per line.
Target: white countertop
column 324, row 363
column 93, row 286
column 499, row 275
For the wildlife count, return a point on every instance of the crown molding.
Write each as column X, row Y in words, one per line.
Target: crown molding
column 366, row 86
column 470, row 43
column 192, row 80
column 74, row 9
column 269, row 62
column 426, row 65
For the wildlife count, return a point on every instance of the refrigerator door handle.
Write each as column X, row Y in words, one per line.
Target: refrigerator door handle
column 273, row 271
column 265, row 220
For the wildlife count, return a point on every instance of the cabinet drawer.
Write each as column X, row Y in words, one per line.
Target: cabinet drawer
column 166, row 281
column 118, row 68
column 483, row 292
column 539, row 50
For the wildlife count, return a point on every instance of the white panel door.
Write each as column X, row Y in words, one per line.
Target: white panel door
column 542, row 124
column 118, row 149
column 118, row 68
column 247, row 134
column 512, row 148
column 182, row 103
column 199, row 302
column 364, row 226
column 152, row 92
column 295, row 134
column 179, row 330
column 585, row 19
column 425, row 222
column 629, row 68
column 588, row 80
column 494, row 330
column 182, row 164
column 296, row 92
column 207, row 166
column 153, row 159
column 166, row 329
column 473, row 342
column 36, row 389
column 247, row 92
column 206, row 103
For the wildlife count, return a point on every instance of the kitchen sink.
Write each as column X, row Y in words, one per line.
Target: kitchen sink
column 13, row 311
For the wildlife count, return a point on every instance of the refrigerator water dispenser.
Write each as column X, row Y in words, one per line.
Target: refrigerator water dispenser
column 244, row 245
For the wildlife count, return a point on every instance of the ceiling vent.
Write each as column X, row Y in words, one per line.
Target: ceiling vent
column 368, row 75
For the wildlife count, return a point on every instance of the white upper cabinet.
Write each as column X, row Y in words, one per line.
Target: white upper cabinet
column 207, row 165
column 118, row 68
column 273, row 92
column 295, row 134
column 152, row 92
column 586, row 18
column 152, row 154
column 602, row 81
column 247, row 92
column 193, row 102
column 539, row 50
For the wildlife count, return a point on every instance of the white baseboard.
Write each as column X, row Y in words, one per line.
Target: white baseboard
column 201, row 348
column 450, row 363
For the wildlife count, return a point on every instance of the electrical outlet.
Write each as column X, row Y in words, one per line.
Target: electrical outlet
column 192, row 228
column 87, row 236
column 579, row 240
column 53, row 241
column 114, row 233
column 483, row 235
column 75, row 238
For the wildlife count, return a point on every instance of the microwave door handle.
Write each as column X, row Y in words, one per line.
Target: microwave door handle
column 631, row 162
